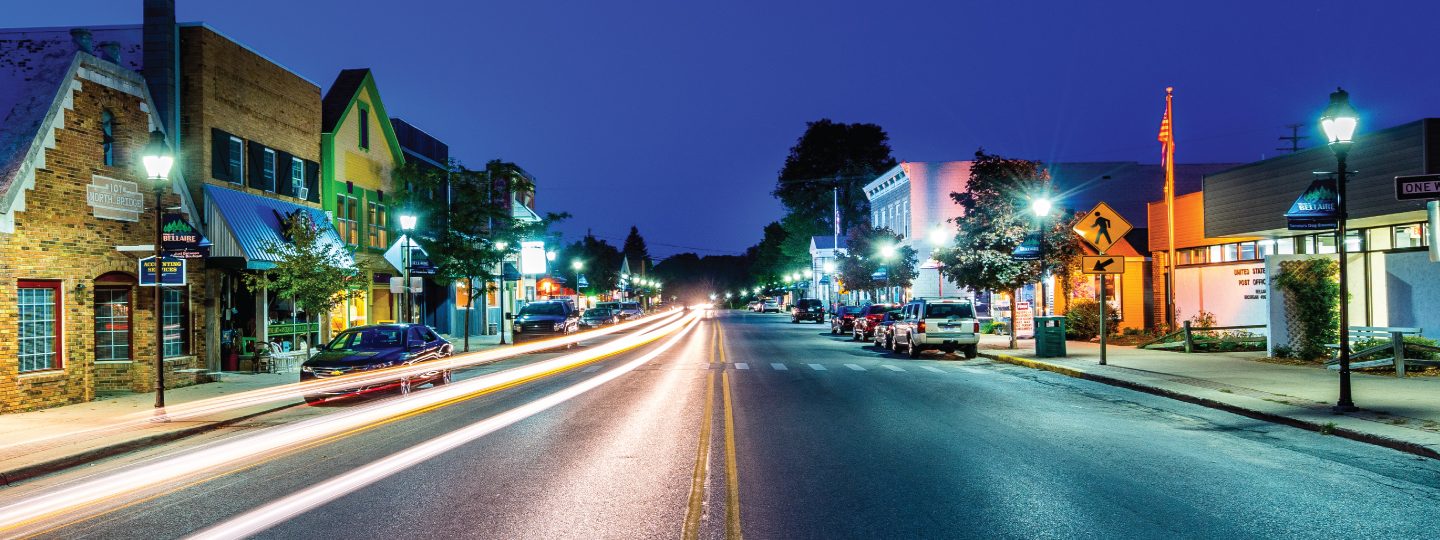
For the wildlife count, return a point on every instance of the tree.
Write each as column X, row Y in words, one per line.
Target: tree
column 826, row 155
column 864, row 258
column 311, row 268
column 635, row 251
column 995, row 219
column 601, row 260
column 766, row 258
column 795, row 249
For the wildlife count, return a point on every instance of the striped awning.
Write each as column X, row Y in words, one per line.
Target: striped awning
column 244, row 225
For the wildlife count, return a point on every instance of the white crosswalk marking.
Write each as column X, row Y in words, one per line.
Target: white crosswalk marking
column 935, row 369
column 779, row 367
column 855, row 367
column 892, row 368
column 970, row 369
column 742, row 365
column 590, row 369
column 816, row 367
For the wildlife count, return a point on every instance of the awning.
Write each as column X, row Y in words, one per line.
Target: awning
column 524, row 214
column 244, row 225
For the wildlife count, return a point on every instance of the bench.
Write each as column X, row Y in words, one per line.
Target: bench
column 1394, row 341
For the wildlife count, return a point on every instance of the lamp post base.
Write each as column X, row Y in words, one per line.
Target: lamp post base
column 1340, row 408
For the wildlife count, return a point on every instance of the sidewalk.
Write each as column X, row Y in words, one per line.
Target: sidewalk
column 1403, row 414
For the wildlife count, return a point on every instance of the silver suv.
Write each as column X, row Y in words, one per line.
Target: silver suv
column 946, row 324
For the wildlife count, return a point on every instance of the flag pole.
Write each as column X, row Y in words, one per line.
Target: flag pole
column 1170, row 206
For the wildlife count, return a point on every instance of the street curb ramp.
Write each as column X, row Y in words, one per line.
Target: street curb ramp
column 1369, row 438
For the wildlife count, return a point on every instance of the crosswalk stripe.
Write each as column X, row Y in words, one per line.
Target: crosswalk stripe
column 816, row 367
column 935, row 369
column 855, row 367
column 779, row 367
column 970, row 369
column 892, row 368
column 590, row 369
column 742, row 365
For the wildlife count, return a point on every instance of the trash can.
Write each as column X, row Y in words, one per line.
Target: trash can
column 1050, row 337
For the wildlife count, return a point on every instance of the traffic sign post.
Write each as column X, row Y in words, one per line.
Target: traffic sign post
column 1418, row 187
column 1102, row 227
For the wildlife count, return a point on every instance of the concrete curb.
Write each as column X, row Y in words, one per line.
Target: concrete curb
column 92, row 455
column 1355, row 435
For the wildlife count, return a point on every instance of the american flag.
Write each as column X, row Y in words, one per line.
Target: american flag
column 1167, row 133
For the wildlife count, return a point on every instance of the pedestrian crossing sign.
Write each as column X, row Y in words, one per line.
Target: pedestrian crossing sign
column 1102, row 227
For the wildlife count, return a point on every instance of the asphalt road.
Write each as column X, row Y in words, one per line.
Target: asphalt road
column 752, row 425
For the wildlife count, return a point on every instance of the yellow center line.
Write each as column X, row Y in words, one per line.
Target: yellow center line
column 732, row 475
column 695, row 510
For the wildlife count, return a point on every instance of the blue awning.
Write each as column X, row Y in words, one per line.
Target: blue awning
column 244, row 225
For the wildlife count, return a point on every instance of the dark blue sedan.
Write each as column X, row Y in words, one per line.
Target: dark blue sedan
column 380, row 346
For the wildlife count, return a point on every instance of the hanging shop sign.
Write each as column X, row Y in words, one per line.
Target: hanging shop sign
column 532, row 257
column 1318, row 208
column 182, row 240
column 172, row 271
column 1028, row 250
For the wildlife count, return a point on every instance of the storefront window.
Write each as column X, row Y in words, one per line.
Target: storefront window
column 1379, row 239
column 112, row 324
column 1353, row 241
column 1214, row 255
column 37, row 305
column 1285, row 246
column 1248, row 252
column 1408, row 236
column 1325, row 243
column 174, row 322
column 1230, row 252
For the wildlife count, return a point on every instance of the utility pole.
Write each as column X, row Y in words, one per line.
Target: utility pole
column 1294, row 138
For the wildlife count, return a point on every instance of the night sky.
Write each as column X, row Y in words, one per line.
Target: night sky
column 675, row 116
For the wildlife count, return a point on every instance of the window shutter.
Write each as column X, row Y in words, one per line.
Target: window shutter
column 220, row 155
column 257, row 162
column 312, row 180
column 283, row 183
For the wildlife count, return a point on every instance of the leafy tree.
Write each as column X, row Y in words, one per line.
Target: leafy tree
column 795, row 249
column 636, row 252
column 312, row 271
column 996, row 218
column 830, row 154
column 766, row 258
column 601, row 260
column 693, row 278
column 863, row 259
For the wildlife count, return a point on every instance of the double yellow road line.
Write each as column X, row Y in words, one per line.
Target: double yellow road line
column 695, row 510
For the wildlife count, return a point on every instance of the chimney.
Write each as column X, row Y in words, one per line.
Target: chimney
column 162, row 64
column 110, row 51
column 83, row 40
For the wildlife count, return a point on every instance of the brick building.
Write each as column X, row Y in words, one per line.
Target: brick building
column 73, row 197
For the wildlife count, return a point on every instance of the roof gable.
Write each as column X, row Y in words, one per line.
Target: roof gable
column 342, row 98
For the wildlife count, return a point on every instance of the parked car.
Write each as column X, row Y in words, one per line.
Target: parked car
column 884, row 330
column 865, row 321
column 843, row 321
column 630, row 310
column 597, row 317
column 808, row 309
column 547, row 318
column 379, row 346
column 947, row 324
column 770, row 306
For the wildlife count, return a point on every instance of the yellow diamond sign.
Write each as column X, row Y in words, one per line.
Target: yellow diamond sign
column 1102, row 227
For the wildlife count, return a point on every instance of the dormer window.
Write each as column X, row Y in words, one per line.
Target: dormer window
column 107, row 137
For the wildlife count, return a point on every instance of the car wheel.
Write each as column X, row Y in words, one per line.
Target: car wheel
column 405, row 386
column 834, row 331
column 445, row 378
column 794, row 321
column 890, row 343
column 972, row 351
column 911, row 350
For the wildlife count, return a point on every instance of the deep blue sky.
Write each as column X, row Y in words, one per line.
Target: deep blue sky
column 675, row 116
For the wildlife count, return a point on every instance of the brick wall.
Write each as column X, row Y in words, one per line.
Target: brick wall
column 57, row 237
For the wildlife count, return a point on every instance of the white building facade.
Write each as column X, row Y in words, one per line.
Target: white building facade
column 913, row 200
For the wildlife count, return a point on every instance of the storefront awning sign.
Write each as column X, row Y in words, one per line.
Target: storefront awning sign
column 182, row 240
column 172, row 271
column 1318, row 207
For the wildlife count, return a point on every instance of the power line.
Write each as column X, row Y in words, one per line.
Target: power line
column 1294, row 138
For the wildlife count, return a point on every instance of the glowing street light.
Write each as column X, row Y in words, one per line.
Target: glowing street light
column 939, row 237
column 1041, row 206
column 158, row 160
column 407, row 224
column 829, row 267
column 1339, row 122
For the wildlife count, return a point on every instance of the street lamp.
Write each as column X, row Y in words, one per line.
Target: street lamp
column 887, row 252
column 577, row 264
column 1040, row 206
column 158, row 160
column 1339, row 122
column 407, row 225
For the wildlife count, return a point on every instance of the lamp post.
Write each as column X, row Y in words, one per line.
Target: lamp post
column 576, row 265
column 1339, row 121
column 939, row 239
column 887, row 252
column 829, row 268
column 1040, row 206
column 407, row 224
column 158, row 160
column 501, row 246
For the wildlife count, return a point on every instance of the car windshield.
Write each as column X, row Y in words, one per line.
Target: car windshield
column 892, row 315
column 949, row 311
column 880, row 308
column 608, row 305
column 367, row 339
column 543, row 308
column 597, row 313
column 630, row 305
column 848, row 310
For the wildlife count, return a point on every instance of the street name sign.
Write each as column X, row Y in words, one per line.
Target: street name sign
column 1102, row 264
column 1102, row 227
column 1418, row 187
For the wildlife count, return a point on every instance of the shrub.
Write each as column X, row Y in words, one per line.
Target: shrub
column 1082, row 320
column 993, row 327
column 1284, row 351
column 1203, row 319
column 1315, row 293
column 1411, row 352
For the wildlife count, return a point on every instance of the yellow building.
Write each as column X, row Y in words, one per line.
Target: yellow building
column 359, row 154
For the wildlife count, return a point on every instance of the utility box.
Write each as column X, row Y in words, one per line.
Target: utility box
column 1050, row 337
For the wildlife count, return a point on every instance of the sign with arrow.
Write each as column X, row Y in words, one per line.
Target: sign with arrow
column 1102, row 264
column 1102, row 227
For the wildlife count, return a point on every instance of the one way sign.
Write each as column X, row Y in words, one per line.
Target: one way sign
column 1102, row 264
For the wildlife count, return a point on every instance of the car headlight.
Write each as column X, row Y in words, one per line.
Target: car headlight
column 559, row 326
column 307, row 369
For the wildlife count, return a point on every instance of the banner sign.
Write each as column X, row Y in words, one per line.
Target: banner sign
column 172, row 271
column 1318, row 208
column 532, row 257
column 182, row 240
column 1029, row 249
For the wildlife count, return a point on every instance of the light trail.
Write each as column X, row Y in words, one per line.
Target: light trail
column 53, row 503
column 298, row 390
column 264, row 517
